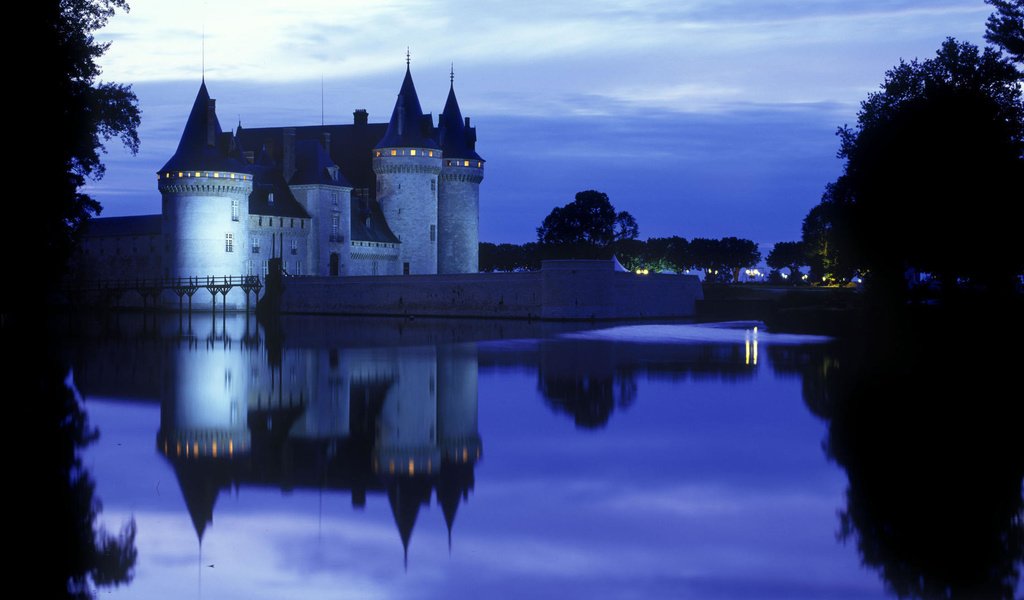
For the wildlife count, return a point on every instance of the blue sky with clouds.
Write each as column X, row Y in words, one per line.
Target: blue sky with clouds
column 700, row 118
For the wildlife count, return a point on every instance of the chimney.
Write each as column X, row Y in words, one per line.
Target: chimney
column 360, row 116
column 325, row 139
column 288, row 153
column 211, row 122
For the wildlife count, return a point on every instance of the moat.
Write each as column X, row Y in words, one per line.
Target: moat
column 365, row 458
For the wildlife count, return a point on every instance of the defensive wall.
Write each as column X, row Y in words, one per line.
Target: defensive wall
column 561, row 290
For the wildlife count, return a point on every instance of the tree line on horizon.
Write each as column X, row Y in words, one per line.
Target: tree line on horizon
column 590, row 228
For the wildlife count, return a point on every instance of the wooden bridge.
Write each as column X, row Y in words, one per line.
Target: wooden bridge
column 152, row 289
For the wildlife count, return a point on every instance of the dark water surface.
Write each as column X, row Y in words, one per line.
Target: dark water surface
column 342, row 458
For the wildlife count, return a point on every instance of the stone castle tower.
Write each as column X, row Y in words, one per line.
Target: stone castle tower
column 458, row 200
column 205, row 203
column 407, row 162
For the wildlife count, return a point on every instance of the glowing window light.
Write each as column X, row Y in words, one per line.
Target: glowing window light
column 755, row 351
column 746, row 360
column 177, row 450
column 378, row 153
column 232, row 175
column 394, row 153
column 391, row 467
column 231, row 447
column 216, row 175
column 465, row 454
column 412, row 467
column 195, row 448
column 215, row 448
column 412, row 152
column 430, row 153
column 479, row 164
column 465, row 163
column 180, row 174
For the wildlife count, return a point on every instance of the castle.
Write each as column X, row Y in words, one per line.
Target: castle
column 392, row 198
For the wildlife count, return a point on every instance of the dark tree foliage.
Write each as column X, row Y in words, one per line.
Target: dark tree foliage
column 74, row 115
column 723, row 259
column 509, row 257
column 827, row 236
column 671, row 253
column 932, row 177
column 789, row 255
column 589, row 220
column 1005, row 27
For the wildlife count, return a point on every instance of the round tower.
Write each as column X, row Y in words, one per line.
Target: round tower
column 407, row 162
column 458, row 200
column 205, row 192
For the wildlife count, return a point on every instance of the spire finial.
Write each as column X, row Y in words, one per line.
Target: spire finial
column 408, row 57
column 451, row 74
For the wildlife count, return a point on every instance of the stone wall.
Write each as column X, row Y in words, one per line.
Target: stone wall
column 561, row 290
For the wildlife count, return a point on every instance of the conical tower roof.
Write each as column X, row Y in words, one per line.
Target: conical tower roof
column 199, row 148
column 457, row 140
column 407, row 126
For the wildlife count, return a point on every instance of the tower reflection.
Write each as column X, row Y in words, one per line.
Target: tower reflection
column 238, row 410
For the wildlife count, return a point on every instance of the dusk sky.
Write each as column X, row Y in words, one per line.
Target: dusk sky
column 701, row 118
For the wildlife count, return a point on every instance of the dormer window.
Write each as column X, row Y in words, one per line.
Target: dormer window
column 333, row 172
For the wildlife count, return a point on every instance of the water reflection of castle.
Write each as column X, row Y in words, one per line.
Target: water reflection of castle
column 401, row 421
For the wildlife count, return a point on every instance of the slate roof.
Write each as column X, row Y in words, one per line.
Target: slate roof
column 457, row 140
column 409, row 127
column 369, row 224
column 195, row 151
column 124, row 226
column 267, row 179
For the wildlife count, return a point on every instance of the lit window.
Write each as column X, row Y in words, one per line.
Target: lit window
column 198, row 174
column 232, row 175
column 167, row 175
column 465, row 163
column 235, row 210
column 413, row 152
column 229, row 242
column 216, row 175
column 378, row 153
column 394, row 153
column 180, row 174
column 479, row 164
column 431, row 153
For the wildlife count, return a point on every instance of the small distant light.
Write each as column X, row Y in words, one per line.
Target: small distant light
column 430, row 153
column 412, row 152
column 465, row 163
column 479, row 164
column 216, row 175
column 394, row 153
column 180, row 174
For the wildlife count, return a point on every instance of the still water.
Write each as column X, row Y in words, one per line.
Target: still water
column 337, row 458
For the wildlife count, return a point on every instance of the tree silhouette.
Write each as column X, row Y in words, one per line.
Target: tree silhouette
column 789, row 255
column 585, row 228
column 1005, row 27
column 71, row 115
column 936, row 156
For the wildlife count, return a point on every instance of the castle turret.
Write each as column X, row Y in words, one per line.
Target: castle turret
column 407, row 162
column 205, row 191
column 458, row 200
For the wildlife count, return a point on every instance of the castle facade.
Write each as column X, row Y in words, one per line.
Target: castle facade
column 358, row 199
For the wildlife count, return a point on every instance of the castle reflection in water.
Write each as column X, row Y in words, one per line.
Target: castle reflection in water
column 366, row 407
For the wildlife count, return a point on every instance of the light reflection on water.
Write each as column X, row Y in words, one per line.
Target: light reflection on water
column 345, row 458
